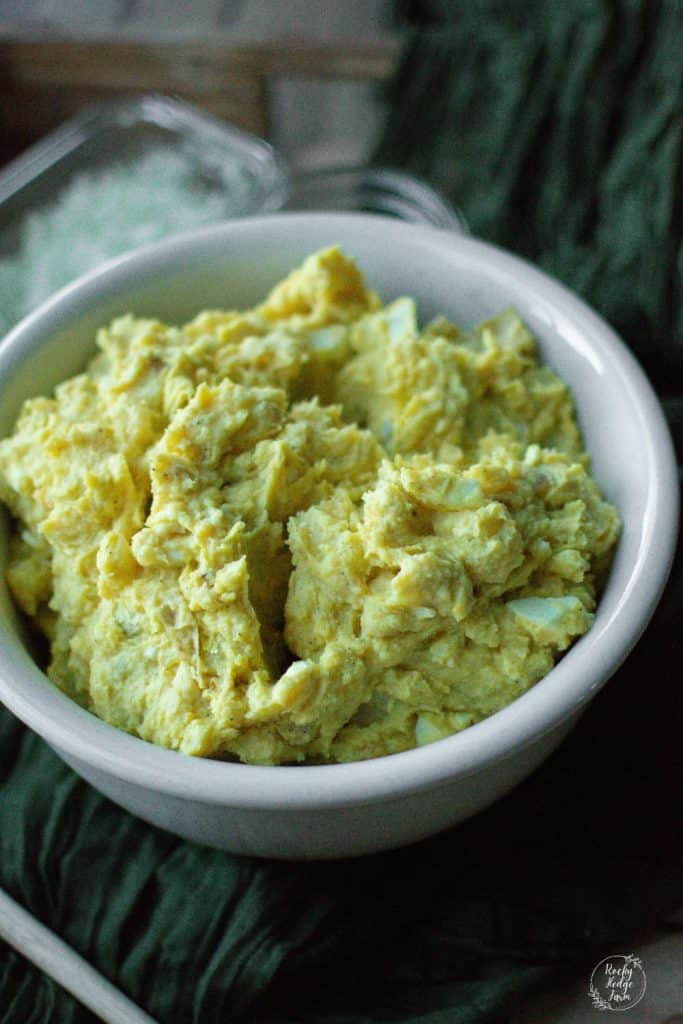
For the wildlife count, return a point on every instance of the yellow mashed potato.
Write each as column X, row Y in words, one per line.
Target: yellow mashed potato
column 306, row 532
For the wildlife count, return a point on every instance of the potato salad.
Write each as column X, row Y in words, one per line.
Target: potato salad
column 311, row 531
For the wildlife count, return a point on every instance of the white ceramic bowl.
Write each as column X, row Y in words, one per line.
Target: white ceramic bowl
column 338, row 810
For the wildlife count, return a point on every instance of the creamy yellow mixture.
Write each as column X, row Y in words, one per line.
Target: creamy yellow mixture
column 308, row 531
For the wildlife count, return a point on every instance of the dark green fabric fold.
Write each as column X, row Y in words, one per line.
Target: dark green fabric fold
column 558, row 129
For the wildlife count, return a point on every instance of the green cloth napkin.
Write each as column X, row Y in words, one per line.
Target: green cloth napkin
column 558, row 130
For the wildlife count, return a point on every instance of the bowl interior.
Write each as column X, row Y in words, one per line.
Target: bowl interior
column 234, row 265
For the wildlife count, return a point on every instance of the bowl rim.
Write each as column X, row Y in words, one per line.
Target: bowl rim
column 84, row 738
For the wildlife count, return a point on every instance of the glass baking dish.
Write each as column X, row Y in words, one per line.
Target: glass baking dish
column 218, row 156
column 374, row 190
column 119, row 175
